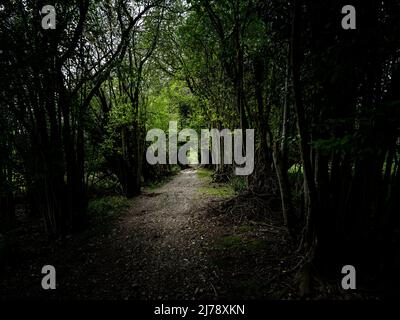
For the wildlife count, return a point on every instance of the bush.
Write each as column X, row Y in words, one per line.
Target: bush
column 238, row 183
column 107, row 206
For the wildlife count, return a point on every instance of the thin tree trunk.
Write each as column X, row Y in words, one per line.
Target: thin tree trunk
column 309, row 236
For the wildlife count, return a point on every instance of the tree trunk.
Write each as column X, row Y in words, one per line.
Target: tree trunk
column 310, row 199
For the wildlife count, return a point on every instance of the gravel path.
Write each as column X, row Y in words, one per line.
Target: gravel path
column 157, row 249
column 162, row 241
column 167, row 245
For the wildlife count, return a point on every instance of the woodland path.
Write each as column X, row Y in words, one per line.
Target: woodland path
column 162, row 242
column 155, row 250
column 167, row 245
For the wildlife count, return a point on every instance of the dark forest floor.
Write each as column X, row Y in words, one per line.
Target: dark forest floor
column 169, row 244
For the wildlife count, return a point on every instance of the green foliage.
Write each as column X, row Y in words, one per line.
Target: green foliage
column 160, row 110
column 204, row 173
column 235, row 185
column 121, row 115
column 238, row 183
column 107, row 206
column 173, row 101
column 223, row 190
column 162, row 180
column 326, row 146
column 218, row 190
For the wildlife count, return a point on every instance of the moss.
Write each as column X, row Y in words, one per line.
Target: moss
column 204, row 173
column 218, row 191
column 214, row 189
column 238, row 183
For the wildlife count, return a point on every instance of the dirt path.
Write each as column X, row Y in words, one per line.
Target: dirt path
column 162, row 239
column 166, row 246
column 154, row 251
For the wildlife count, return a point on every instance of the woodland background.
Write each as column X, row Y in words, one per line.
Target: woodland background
column 76, row 103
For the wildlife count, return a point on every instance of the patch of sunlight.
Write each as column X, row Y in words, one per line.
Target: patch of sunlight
column 296, row 168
